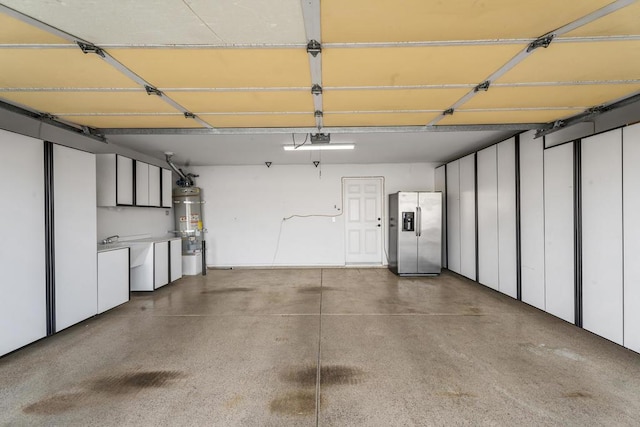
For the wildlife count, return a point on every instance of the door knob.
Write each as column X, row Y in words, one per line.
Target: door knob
column 378, row 225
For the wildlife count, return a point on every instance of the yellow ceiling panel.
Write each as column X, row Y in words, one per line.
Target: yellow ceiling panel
column 259, row 120
column 461, row 117
column 70, row 68
column 212, row 68
column 378, row 119
column 566, row 62
column 14, row 31
column 549, row 96
column 423, row 20
column 402, row 99
column 413, row 65
column 142, row 121
column 254, row 101
column 90, row 102
column 623, row 22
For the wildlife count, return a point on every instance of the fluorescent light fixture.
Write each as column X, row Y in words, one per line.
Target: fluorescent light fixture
column 319, row 146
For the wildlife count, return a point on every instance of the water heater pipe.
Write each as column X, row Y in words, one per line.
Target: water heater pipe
column 185, row 180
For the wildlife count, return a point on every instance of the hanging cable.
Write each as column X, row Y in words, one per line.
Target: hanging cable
column 293, row 138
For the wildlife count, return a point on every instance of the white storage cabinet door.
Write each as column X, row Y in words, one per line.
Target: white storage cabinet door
column 558, row 234
column 23, row 317
column 160, row 264
column 468, row 217
column 155, row 189
column 507, row 246
column 167, row 188
column 631, row 180
column 602, row 293
column 441, row 185
column 76, row 270
column 453, row 216
column 532, row 219
column 124, row 181
column 175, row 257
column 142, row 184
column 488, row 273
column 113, row 278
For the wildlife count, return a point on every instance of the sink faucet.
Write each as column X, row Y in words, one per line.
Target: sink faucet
column 110, row 239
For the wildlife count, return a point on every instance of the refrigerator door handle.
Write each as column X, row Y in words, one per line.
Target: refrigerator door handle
column 419, row 222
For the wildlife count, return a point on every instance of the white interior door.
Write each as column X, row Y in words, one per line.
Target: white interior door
column 363, row 220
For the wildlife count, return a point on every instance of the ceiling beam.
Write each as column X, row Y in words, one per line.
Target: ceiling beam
column 53, row 121
column 587, row 115
column 515, row 127
column 311, row 16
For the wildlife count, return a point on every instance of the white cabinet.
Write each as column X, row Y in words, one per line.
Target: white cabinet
column 167, row 188
column 74, row 189
column 602, row 256
column 175, row 259
column 154, row 186
column 114, row 180
column 155, row 263
column 559, row 239
column 113, row 278
column 122, row 181
column 631, row 202
column 148, row 185
column 160, row 264
column 142, row 184
column 22, row 252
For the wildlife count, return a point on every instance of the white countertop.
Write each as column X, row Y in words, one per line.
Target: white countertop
column 121, row 244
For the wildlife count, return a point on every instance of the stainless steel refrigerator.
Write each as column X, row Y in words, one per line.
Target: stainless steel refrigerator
column 415, row 233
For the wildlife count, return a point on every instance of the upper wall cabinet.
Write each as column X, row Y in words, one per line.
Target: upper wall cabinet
column 167, row 188
column 122, row 181
column 114, row 174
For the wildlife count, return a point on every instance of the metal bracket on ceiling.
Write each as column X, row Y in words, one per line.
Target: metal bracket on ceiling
column 91, row 132
column 448, row 112
column 189, row 115
column 541, row 42
column 316, row 89
column 152, row 90
column 318, row 113
column 47, row 116
column 484, row 86
column 314, row 48
column 90, row 48
column 320, row 137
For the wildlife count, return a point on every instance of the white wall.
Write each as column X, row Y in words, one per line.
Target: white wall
column 245, row 206
column 133, row 221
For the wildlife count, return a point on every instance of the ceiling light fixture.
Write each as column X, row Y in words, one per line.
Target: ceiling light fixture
column 319, row 146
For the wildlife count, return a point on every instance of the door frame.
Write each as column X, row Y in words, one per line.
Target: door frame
column 384, row 258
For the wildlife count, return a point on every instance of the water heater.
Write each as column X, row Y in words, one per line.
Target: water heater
column 187, row 205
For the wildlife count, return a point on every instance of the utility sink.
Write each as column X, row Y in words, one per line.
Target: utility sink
column 138, row 251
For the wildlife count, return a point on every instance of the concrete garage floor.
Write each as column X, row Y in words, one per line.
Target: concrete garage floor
column 241, row 347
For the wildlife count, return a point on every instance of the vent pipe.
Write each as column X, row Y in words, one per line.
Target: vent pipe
column 186, row 180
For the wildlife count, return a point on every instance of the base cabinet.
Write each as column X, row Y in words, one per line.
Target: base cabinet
column 160, row 264
column 113, row 278
column 153, row 264
column 175, row 259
